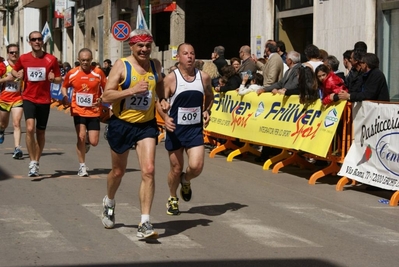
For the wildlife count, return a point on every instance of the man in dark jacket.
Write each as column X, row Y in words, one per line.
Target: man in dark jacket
column 374, row 85
column 218, row 58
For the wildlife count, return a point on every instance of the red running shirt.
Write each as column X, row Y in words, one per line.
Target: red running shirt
column 36, row 71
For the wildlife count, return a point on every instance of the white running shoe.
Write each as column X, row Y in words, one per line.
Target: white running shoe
column 108, row 215
column 33, row 170
column 83, row 171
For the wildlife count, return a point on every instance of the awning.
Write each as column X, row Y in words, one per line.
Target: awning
column 165, row 7
column 35, row 3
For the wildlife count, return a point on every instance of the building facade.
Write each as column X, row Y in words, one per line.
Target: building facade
column 333, row 25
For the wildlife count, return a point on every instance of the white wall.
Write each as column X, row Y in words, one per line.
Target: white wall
column 31, row 22
column 262, row 23
column 339, row 24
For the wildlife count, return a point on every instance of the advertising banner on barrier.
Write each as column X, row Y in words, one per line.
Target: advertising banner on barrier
column 373, row 157
column 276, row 120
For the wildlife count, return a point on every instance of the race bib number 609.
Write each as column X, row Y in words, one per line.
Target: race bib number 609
column 187, row 116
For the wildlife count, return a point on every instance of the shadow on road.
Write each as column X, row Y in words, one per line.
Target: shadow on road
column 222, row 263
column 216, row 210
column 61, row 173
column 171, row 227
column 4, row 175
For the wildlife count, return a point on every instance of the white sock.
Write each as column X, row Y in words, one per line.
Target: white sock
column 110, row 202
column 82, row 164
column 184, row 181
column 34, row 162
column 145, row 218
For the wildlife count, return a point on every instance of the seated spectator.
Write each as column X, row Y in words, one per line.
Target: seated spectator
column 233, row 79
column 329, row 83
column 255, row 83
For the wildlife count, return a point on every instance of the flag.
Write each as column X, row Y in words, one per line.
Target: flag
column 140, row 22
column 46, row 33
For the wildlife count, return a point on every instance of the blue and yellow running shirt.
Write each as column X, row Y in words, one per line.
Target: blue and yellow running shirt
column 138, row 108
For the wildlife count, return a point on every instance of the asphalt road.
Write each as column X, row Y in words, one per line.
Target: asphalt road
column 240, row 214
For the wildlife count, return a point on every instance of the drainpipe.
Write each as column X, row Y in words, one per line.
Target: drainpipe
column 147, row 12
column 8, row 21
column 51, row 26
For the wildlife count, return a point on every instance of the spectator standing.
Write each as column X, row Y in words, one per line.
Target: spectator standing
column 288, row 85
column 107, row 65
column 247, row 64
column 329, row 83
column 236, row 63
column 211, row 69
column 333, row 64
column 374, row 85
column 282, row 51
column 312, row 53
column 218, row 57
column 232, row 77
column 273, row 69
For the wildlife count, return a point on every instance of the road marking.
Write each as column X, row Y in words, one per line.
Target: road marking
column 344, row 222
column 129, row 217
column 23, row 229
column 49, row 176
column 263, row 234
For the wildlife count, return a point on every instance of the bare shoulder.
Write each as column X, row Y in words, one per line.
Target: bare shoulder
column 170, row 79
column 205, row 77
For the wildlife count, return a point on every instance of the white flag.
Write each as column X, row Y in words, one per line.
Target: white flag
column 140, row 22
column 46, row 33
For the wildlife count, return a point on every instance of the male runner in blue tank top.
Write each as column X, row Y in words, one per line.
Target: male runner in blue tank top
column 131, row 87
column 187, row 112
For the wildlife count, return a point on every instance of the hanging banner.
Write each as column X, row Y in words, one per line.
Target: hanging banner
column 59, row 9
column 373, row 157
column 276, row 120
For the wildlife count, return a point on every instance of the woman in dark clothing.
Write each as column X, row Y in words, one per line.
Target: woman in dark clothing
column 233, row 79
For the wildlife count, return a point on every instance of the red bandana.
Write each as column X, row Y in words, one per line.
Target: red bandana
column 141, row 38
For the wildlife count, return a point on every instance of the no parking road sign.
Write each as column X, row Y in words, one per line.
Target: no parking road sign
column 121, row 30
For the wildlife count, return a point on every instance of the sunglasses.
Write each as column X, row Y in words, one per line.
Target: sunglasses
column 36, row 39
column 13, row 52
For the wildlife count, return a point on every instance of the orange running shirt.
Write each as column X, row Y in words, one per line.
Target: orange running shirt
column 87, row 87
column 10, row 91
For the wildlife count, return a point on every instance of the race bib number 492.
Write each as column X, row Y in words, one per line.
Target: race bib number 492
column 36, row 74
